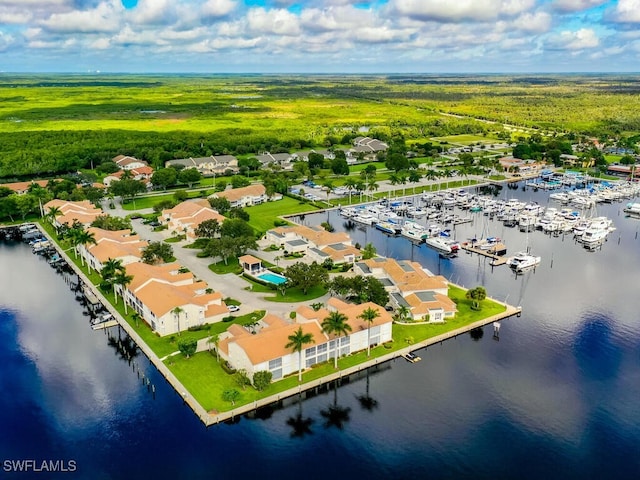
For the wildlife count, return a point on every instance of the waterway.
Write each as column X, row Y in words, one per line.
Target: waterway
column 556, row 396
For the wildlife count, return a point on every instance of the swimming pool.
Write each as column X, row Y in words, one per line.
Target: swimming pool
column 272, row 278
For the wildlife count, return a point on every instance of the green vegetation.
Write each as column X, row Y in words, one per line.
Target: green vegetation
column 262, row 217
column 77, row 124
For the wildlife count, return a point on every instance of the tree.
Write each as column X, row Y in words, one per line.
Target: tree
column 85, row 238
column 26, row 204
column 127, row 188
column 238, row 181
column 262, row 380
column 306, row 275
column 213, row 340
column 188, row 347
column 176, row 312
column 107, row 222
column 220, row 204
column 339, row 166
column 189, row 176
column 235, row 228
column 165, row 177
column 241, row 378
column 123, row 280
column 239, row 212
column 109, row 270
column 336, row 323
column 52, row 214
column 316, row 160
column 296, row 342
column 477, row 295
column 369, row 315
column 369, row 251
column 402, row 313
column 230, row 396
column 157, row 252
column 208, row 229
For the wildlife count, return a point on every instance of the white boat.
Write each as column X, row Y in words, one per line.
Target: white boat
column 414, row 231
column 388, row 227
column 364, row 218
column 522, row 261
column 632, row 209
column 439, row 244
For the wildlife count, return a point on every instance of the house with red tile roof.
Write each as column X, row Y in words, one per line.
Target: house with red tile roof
column 126, row 162
column 245, row 196
column 185, row 217
column 23, row 187
column 143, row 173
column 315, row 241
column 170, row 300
column 120, row 245
column 83, row 212
column 262, row 347
column 409, row 285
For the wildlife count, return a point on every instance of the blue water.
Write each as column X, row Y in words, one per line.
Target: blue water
column 272, row 278
column 555, row 397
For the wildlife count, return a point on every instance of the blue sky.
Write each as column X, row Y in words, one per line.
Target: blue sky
column 319, row 36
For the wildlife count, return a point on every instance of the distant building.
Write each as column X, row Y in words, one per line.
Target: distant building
column 129, row 163
column 140, row 173
column 208, row 166
column 23, row 187
column 246, row 196
column 318, row 243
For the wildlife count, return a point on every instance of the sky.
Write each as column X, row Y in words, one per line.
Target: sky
column 319, row 36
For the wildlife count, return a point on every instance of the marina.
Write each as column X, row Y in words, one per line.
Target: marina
column 485, row 381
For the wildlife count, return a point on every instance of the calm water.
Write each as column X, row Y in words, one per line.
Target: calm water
column 556, row 396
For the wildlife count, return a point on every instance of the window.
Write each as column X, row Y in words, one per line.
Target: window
column 276, row 363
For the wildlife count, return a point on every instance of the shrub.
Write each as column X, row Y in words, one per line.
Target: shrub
column 278, row 222
column 228, row 368
column 262, row 380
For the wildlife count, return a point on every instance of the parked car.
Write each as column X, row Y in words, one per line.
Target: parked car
column 233, row 308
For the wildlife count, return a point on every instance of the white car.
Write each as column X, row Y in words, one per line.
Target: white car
column 233, row 308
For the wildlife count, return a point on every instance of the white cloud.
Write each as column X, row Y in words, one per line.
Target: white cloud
column 104, row 18
column 578, row 40
column 460, row 10
column 538, row 22
column 569, row 6
column 153, row 12
column 218, row 8
column 276, row 21
column 627, row 11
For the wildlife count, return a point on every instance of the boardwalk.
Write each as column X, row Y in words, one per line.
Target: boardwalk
column 497, row 260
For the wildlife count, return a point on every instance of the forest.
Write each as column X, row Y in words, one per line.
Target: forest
column 58, row 124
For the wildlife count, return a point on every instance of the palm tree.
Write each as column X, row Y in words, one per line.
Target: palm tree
column 214, row 340
column 350, row 184
column 372, row 185
column 369, row 315
column 110, row 268
column 136, row 317
column 176, row 313
column 336, row 323
column 121, row 278
column 402, row 312
column 296, row 342
column 85, row 238
column 52, row 214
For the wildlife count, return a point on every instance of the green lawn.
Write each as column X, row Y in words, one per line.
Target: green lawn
column 206, row 380
column 150, row 201
column 464, row 139
column 263, row 216
column 292, row 295
column 221, row 268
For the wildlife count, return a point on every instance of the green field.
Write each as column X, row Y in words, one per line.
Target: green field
column 464, row 139
column 51, row 124
column 261, row 217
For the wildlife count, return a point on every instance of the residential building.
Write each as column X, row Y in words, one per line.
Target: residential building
column 171, row 300
column 244, row 197
column 126, row 162
column 425, row 295
column 143, row 173
column 83, row 212
column 120, row 245
column 318, row 243
column 23, row 187
column 208, row 166
column 185, row 217
column 263, row 347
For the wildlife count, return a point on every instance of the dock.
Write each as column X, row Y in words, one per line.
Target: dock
column 103, row 325
column 496, row 253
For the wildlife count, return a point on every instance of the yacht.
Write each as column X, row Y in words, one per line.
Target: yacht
column 522, row 261
column 632, row 209
column 439, row 244
column 414, row 231
column 388, row 227
column 364, row 218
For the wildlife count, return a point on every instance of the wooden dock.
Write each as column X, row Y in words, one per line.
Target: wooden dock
column 493, row 253
column 103, row 325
